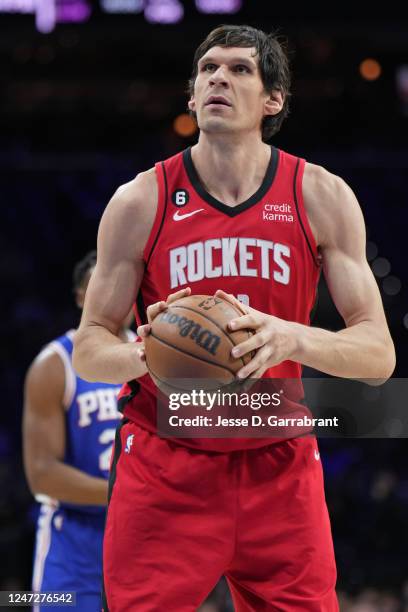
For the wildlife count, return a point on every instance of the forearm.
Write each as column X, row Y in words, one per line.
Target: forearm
column 99, row 355
column 360, row 351
column 68, row 484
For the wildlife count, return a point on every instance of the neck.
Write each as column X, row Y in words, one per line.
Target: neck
column 231, row 169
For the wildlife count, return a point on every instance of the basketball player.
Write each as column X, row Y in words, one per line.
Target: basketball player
column 69, row 427
column 232, row 214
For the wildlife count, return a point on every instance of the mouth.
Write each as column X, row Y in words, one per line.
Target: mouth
column 218, row 101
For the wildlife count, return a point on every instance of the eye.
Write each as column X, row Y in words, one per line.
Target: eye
column 208, row 67
column 241, row 68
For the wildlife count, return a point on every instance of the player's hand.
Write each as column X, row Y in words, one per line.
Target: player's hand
column 274, row 339
column 154, row 309
column 141, row 350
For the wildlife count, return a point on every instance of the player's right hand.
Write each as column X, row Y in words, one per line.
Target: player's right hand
column 154, row 309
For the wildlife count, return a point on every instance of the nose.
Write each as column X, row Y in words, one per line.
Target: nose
column 219, row 77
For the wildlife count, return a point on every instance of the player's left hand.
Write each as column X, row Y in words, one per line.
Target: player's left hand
column 152, row 311
column 274, row 339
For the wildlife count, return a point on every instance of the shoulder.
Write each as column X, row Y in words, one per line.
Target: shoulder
column 130, row 214
column 138, row 195
column 331, row 205
column 46, row 374
column 135, row 192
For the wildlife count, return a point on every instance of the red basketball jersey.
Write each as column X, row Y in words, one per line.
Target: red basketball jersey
column 262, row 250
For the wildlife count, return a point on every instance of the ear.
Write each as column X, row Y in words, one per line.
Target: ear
column 274, row 103
column 191, row 104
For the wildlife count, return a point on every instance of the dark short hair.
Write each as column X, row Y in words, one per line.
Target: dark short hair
column 273, row 62
column 82, row 268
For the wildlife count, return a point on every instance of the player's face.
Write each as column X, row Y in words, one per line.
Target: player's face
column 229, row 94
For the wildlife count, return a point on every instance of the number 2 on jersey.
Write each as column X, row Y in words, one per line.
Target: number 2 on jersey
column 106, row 437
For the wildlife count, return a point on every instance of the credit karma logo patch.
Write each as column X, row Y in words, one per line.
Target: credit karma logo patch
column 278, row 212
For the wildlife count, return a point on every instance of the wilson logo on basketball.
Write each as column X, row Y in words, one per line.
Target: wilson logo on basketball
column 187, row 327
column 278, row 212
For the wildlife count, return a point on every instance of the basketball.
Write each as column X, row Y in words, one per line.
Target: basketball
column 191, row 340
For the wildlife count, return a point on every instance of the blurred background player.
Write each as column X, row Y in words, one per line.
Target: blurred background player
column 68, row 429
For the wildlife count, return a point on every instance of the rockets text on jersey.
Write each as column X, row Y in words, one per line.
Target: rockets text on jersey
column 198, row 260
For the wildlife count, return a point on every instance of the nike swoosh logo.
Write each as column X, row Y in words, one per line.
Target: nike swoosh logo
column 317, row 455
column 178, row 217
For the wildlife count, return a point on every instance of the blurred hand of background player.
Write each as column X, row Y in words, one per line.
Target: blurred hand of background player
column 274, row 339
column 153, row 310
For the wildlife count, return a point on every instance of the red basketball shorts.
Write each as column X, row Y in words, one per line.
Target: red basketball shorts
column 179, row 519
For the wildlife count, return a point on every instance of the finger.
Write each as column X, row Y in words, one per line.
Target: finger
column 248, row 321
column 178, row 295
column 252, row 344
column 229, row 297
column 143, row 330
column 243, row 385
column 259, row 361
column 154, row 309
column 224, row 295
column 258, row 373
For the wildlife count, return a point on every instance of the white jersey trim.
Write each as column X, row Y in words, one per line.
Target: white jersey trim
column 43, row 542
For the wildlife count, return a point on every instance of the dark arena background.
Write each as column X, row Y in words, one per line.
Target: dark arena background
column 93, row 93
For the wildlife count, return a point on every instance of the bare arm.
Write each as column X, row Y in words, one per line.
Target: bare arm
column 44, row 438
column 99, row 354
column 364, row 349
